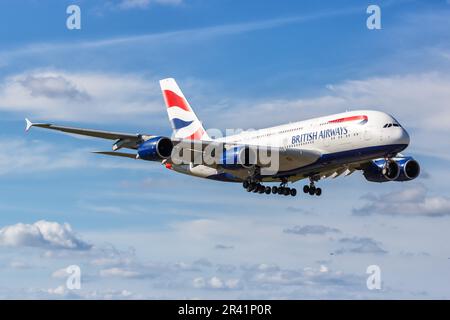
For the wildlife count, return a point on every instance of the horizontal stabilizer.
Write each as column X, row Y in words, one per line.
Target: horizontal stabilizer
column 117, row 154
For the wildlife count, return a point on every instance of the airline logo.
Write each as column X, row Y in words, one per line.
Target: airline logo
column 362, row 119
column 184, row 121
column 322, row 134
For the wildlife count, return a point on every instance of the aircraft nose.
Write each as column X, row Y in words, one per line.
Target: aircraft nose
column 403, row 137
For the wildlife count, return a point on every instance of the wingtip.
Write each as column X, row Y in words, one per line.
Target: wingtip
column 29, row 124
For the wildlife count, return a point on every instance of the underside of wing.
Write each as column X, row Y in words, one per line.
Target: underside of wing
column 232, row 155
column 117, row 154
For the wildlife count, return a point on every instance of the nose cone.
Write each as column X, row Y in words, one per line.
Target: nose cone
column 403, row 137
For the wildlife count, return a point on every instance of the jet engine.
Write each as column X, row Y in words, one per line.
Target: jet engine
column 155, row 148
column 397, row 169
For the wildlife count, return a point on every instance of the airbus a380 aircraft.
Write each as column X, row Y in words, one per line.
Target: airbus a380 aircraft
column 339, row 144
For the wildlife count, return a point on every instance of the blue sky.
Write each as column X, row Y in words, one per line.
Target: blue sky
column 138, row 230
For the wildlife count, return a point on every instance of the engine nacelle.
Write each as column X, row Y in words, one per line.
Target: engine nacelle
column 410, row 169
column 155, row 148
column 238, row 158
column 397, row 169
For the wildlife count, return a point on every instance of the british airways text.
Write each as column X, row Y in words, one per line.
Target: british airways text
column 322, row 134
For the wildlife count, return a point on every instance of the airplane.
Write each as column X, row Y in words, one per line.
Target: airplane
column 326, row 147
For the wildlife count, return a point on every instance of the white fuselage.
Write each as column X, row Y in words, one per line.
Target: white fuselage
column 341, row 136
column 337, row 134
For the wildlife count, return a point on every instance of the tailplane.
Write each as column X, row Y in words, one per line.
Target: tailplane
column 184, row 121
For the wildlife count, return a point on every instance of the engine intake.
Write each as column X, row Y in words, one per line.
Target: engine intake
column 155, row 148
column 410, row 169
column 398, row 169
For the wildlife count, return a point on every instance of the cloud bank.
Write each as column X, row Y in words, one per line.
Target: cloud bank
column 43, row 234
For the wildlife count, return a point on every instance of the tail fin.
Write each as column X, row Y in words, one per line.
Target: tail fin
column 184, row 121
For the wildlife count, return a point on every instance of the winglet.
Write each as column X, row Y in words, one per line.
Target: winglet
column 29, row 124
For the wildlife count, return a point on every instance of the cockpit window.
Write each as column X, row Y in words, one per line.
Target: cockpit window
column 388, row 125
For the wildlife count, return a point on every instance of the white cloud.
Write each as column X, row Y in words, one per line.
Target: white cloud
column 19, row 265
column 119, row 272
column 44, row 234
column 32, row 156
column 143, row 4
column 412, row 200
column 60, row 290
column 39, row 156
column 216, row 283
column 89, row 97
column 311, row 229
column 426, row 94
column 181, row 36
column 60, row 274
column 363, row 245
column 52, row 86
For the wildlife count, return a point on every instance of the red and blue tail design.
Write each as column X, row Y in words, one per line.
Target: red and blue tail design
column 184, row 121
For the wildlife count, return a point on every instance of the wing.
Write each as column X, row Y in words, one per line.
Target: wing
column 116, row 154
column 332, row 171
column 288, row 159
column 124, row 140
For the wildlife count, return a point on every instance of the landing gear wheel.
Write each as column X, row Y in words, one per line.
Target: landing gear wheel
column 293, row 192
column 306, row 189
column 287, row 191
column 318, row 192
column 281, row 190
column 312, row 190
column 261, row 188
column 267, row 190
column 245, row 184
column 274, row 190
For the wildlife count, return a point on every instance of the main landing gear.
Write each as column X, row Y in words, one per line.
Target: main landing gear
column 311, row 189
column 257, row 187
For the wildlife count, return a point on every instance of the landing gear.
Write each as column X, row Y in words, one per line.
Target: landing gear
column 283, row 190
column 293, row 192
column 257, row 187
column 311, row 189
